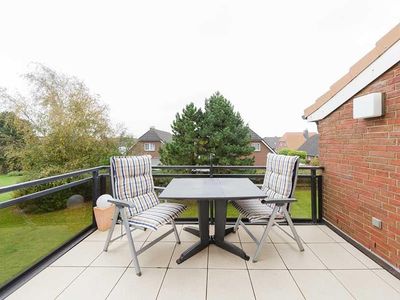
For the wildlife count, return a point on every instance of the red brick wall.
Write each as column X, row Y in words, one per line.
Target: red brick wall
column 362, row 170
column 260, row 157
column 138, row 149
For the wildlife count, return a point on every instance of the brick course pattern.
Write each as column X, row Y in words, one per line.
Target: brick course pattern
column 362, row 170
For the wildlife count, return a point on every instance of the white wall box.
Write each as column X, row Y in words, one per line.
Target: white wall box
column 368, row 106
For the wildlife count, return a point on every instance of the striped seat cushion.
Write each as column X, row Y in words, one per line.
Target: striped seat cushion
column 278, row 183
column 133, row 182
column 254, row 210
column 157, row 215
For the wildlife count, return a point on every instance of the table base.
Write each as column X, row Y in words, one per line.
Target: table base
column 203, row 232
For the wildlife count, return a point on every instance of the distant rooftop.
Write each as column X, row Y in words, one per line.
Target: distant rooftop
column 311, row 146
column 272, row 141
column 254, row 136
column 155, row 135
column 293, row 140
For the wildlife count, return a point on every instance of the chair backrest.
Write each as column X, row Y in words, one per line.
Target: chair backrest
column 280, row 176
column 132, row 181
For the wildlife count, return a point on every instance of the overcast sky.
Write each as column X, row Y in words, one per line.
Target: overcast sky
column 148, row 59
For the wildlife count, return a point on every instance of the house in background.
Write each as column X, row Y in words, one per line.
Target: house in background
column 359, row 124
column 293, row 140
column 272, row 142
column 311, row 146
column 150, row 144
column 261, row 149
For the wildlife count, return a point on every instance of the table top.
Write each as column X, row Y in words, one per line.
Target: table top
column 211, row 189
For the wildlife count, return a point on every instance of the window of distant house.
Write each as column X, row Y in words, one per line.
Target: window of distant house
column 149, row 147
column 256, row 146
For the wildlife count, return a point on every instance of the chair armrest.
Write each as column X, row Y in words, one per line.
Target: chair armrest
column 120, row 203
column 159, row 188
column 277, row 201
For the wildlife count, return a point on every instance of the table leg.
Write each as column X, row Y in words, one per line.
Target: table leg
column 195, row 231
column 220, row 231
column 192, row 230
column 204, row 233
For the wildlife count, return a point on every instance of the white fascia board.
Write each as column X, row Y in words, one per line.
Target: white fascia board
column 373, row 71
column 270, row 149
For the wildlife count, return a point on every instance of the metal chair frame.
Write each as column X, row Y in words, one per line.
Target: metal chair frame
column 284, row 204
column 120, row 216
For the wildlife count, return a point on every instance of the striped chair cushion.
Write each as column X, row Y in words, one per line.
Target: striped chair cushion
column 157, row 215
column 278, row 183
column 278, row 179
column 133, row 182
column 254, row 210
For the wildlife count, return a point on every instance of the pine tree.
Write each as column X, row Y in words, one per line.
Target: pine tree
column 218, row 133
column 184, row 148
column 227, row 135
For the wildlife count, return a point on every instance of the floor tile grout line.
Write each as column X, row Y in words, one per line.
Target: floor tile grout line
column 208, row 258
column 247, row 268
column 290, row 273
column 355, row 256
column 109, row 293
column 338, row 279
column 85, row 268
column 166, row 269
column 373, row 270
column 318, row 257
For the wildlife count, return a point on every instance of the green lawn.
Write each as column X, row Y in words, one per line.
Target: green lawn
column 8, row 180
column 300, row 209
column 26, row 238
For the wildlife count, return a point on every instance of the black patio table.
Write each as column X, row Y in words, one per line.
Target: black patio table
column 219, row 190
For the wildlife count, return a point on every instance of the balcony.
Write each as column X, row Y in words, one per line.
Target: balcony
column 329, row 267
column 67, row 261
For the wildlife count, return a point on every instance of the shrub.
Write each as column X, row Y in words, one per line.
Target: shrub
column 290, row 152
column 314, row 162
column 54, row 201
column 15, row 173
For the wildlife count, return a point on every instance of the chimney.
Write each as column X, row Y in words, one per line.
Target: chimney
column 305, row 134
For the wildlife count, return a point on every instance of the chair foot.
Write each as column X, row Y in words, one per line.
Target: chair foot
column 253, row 261
column 178, row 242
column 139, row 274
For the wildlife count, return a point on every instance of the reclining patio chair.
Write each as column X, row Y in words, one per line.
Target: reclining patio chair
column 279, row 186
column 137, row 204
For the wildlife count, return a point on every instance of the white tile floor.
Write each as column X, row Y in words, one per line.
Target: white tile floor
column 329, row 268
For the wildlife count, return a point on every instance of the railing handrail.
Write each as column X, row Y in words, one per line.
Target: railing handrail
column 166, row 167
column 26, row 184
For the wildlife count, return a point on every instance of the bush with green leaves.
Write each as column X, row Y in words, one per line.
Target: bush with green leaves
column 290, row 152
column 54, row 201
column 71, row 130
column 315, row 162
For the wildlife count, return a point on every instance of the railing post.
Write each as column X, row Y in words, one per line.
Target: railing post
column 320, row 199
column 313, row 196
column 95, row 192
column 103, row 184
column 211, row 203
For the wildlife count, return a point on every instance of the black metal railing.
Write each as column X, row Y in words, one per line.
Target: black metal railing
column 92, row 183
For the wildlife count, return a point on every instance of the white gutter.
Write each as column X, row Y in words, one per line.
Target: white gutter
column 383, row 63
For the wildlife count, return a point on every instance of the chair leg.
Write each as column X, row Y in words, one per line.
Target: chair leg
column 265, row 234
column 178, row 240
column 111, row 230
column 131, row 243
column 295, row 235
column 237, row 223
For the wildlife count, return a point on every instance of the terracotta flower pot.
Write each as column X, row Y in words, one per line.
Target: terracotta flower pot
column 104, row 217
